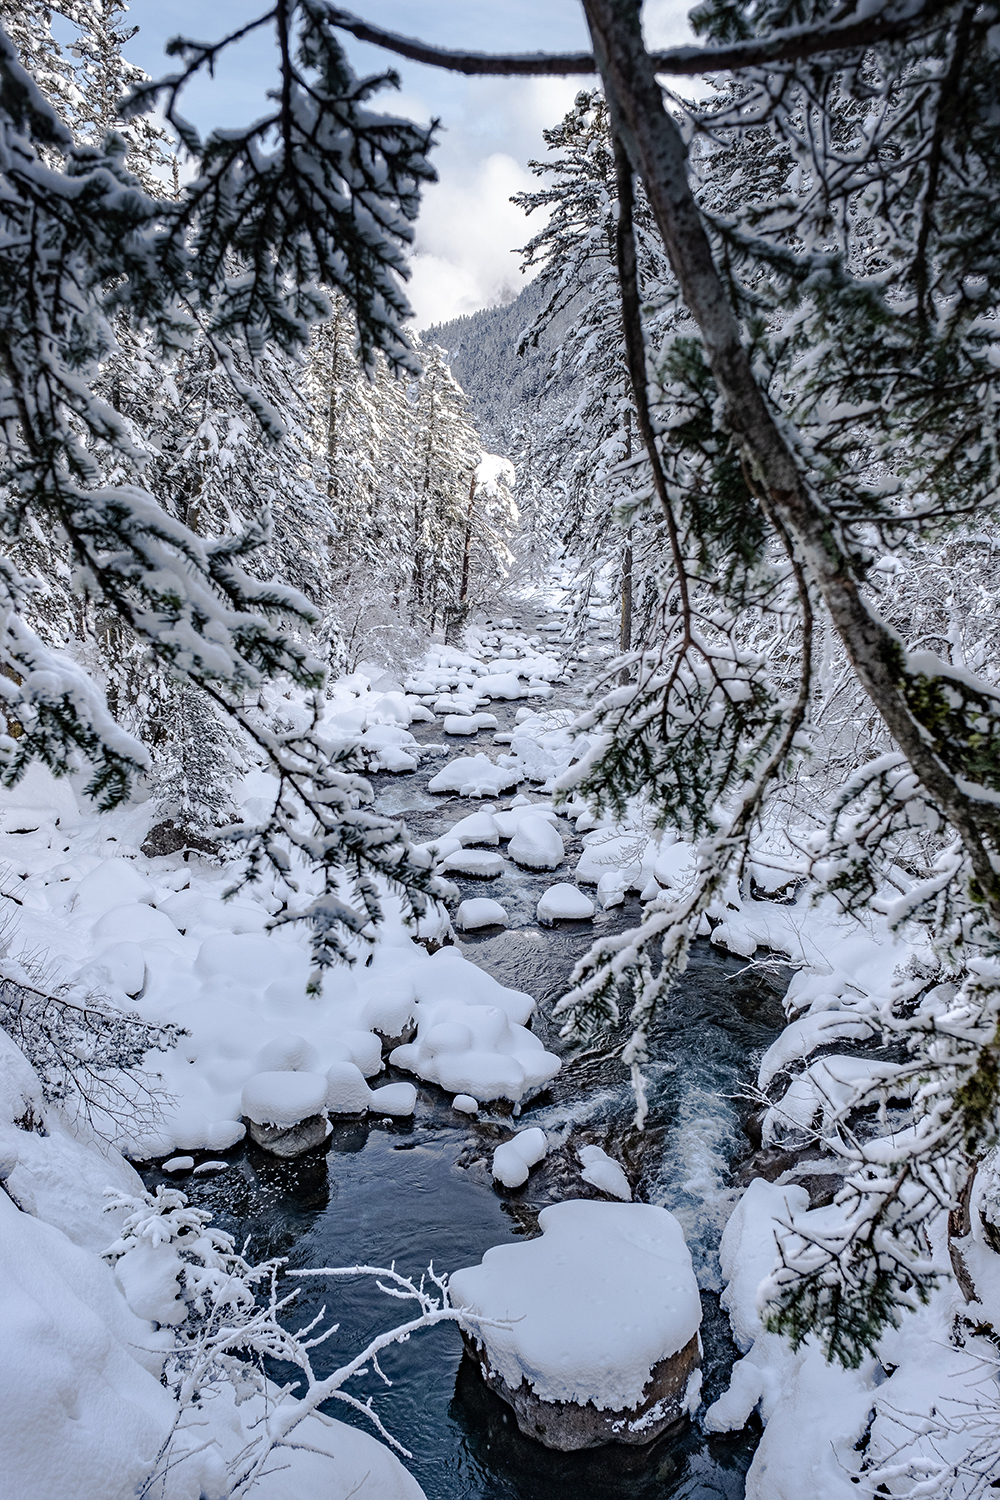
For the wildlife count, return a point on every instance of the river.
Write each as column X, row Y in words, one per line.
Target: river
column 420, row 1191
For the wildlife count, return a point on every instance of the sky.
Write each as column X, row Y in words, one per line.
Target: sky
column 492, row 127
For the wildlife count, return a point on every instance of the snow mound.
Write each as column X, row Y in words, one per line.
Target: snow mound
column 465, row 1104
column 477, row 828
column 285, row 1098
column 461, row 724
column 478, row 862
column 480, row 912
column 505, row 685
column 604, row 1173
column 564, row 903
column 536, row 844
column 474, row 776
column 115, row 882
column 512, row 1160
column 471, row 1037
column 602, row 1296
column 363, row 1048
column 346, row 1093
column 506, row 822
column 394, row 1099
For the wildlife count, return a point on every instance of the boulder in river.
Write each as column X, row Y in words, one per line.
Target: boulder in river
column 598, row 1341
column 285, row 1111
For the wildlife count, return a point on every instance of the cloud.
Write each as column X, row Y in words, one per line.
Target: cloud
column 468, row 229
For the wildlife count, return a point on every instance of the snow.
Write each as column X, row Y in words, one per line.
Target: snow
column 604, row 1294
column 513, row 1159
column 465, row 1104
column 287, row 1098
column 604, row 1173
column 564, row 903
column 345, row 1091
column 507, row 823
column 536, row 844
column 476, row 862
column 480, row 912
column 474, row 776
column 84, row 1413
column 478, row 828
column 471, row 1037
column 397, row 1099
column 178, row 1164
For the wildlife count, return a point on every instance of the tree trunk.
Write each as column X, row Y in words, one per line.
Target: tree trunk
column 657, row 153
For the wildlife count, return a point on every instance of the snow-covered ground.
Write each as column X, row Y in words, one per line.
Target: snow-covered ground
column 155, row 937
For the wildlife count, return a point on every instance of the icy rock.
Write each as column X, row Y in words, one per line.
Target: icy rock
column 178, row 1164
column 347, row 1093
column 601, row 1343
column 198, row 915
column 280, row 1098
column 477, row 828
column 564, row 903
column 478, row 862
column 125, row 966
column 512, row 1160
column 394, row 1099
column 291, row 1140
column 251, row 961
column 480, row 912
column 604, row 1173
column 465, row 1104
column 536, row 844
column 474, row 776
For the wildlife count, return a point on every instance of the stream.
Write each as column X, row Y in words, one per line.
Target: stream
column 420, row 1190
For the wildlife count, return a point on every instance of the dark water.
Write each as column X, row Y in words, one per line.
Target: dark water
column 421, row 1191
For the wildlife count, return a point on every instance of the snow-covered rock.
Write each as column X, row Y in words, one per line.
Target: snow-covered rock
column 471, row 1037
column 463, row 724
column 478, row 862
column 536, row 844
column 513, row 1159
column 506, row 823
column 604, row 1173
column 474, row 776
column 602, row 1299
column 347, row 1093
column 480, row 912
column 478, row 828
column 465, row 1104
column 564, row 903
column 393, row 1099
column 285, row 1098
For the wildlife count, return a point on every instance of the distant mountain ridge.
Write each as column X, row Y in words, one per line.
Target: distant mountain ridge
column 503, row 387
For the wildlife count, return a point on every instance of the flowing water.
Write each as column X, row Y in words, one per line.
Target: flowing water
column 420, row 1191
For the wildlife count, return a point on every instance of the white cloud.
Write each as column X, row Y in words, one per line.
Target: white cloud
column 468, row 228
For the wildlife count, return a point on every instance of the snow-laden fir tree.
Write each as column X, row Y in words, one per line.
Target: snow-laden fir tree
column 585, row 457
column 233, row 260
